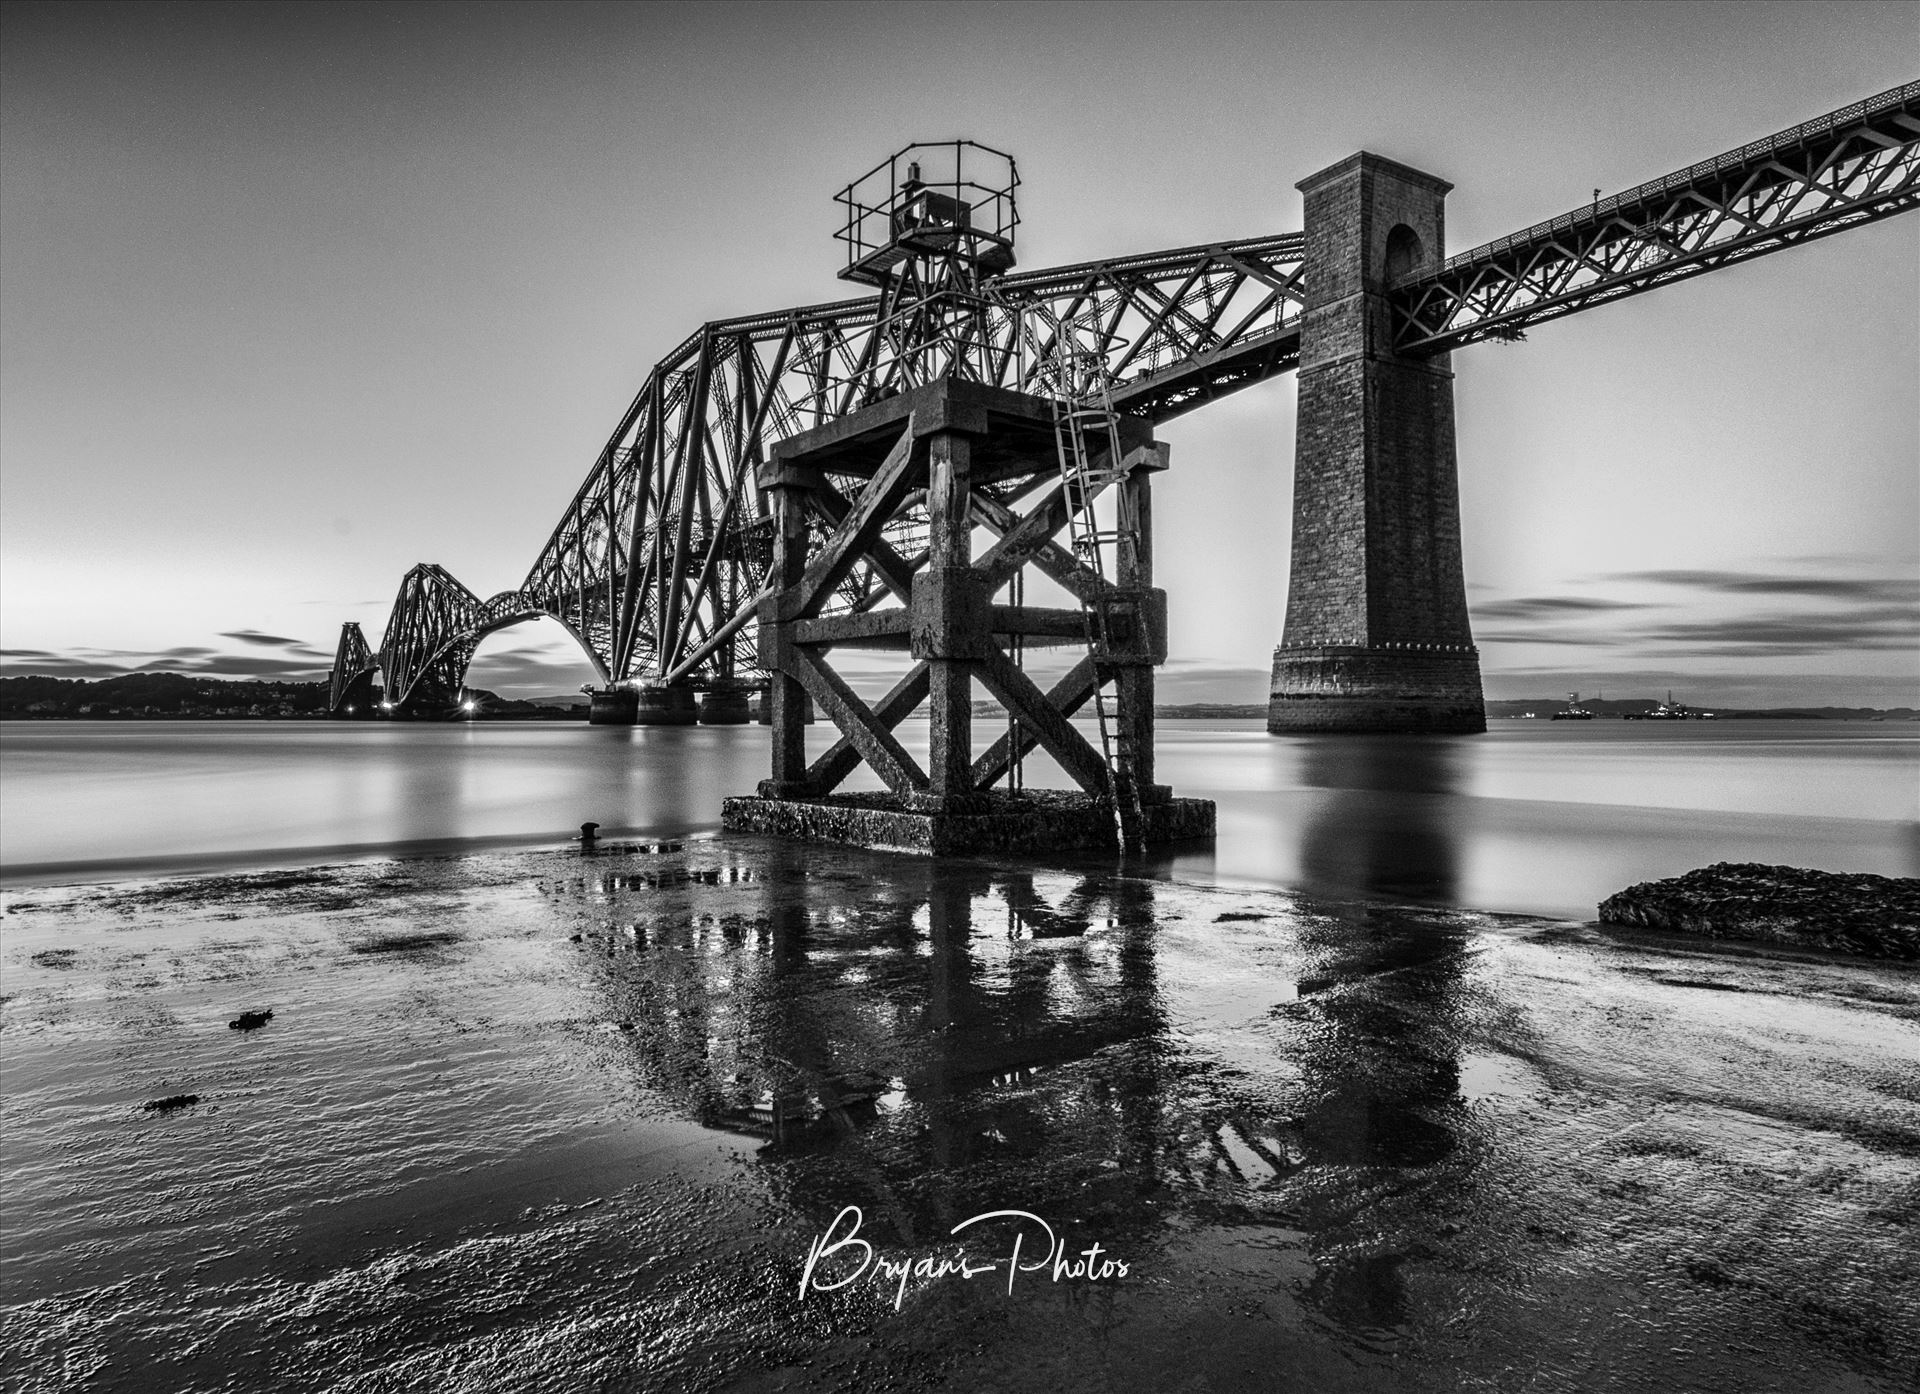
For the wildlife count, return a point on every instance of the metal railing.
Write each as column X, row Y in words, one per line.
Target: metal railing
column 1904, row 95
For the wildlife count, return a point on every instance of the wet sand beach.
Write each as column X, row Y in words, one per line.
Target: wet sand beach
column 546, row 1120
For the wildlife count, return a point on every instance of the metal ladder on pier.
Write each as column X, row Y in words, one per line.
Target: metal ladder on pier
column 1086, row 433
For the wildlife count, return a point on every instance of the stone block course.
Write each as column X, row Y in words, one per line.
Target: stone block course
column 1376, row 575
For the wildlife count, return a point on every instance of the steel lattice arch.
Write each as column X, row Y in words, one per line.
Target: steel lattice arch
column 658, row 561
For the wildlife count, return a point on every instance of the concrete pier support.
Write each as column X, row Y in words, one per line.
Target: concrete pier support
column 725, row 707
column 1376, row 637
column 612, row 706
column 967, row 458
column 666, row 706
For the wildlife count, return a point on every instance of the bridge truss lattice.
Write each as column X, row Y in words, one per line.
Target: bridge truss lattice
column 659, row 559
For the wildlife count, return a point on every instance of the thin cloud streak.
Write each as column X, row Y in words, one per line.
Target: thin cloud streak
column 1861, row 590
column 1701, row 613
column 1540, row 636
column 254, row 636
column 1547, row 606
column 1889, row 628
column 1886, row 629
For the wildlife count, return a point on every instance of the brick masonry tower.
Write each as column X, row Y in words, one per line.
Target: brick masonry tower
column 1376, row 633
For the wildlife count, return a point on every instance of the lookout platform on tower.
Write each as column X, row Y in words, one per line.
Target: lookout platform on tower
column 949, row 202
column 899, row 488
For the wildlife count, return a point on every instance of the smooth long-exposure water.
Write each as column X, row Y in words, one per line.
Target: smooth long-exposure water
column 1542, row 817
column 544, row 1117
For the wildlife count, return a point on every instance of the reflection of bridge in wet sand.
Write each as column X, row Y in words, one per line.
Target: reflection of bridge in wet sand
column 1350, row 1138
column 925, row 1040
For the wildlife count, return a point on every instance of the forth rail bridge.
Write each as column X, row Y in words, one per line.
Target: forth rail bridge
column 810, row 478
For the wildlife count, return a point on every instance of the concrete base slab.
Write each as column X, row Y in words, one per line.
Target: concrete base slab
column 1039, row 821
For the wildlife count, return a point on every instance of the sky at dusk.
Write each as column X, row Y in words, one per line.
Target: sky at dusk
column 293, row 297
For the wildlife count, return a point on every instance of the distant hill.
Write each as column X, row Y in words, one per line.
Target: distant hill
column 158, row 694
column 186, row 695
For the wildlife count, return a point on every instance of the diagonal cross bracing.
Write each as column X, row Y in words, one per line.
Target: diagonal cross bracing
column 353, row 661
column 432, row 631
column 659, row 558
column 1820, row 177
column 669, row 523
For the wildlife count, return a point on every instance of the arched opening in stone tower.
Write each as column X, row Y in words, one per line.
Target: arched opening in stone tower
column 1404, row 252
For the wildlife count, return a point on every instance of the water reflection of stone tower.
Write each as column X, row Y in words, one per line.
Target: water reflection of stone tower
column 913, row 461
column 1391, row 823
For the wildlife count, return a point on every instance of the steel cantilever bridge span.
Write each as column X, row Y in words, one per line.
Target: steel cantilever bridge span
column 657, row 563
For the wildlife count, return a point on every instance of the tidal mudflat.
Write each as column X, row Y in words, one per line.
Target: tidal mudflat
column 560, row 1121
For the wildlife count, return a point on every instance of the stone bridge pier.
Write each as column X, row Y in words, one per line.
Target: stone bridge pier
column 1376, row 634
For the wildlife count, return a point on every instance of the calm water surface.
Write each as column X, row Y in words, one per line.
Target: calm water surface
column 552, row 1120
column 1533, row 816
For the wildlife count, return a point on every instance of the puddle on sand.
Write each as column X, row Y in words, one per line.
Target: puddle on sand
column 1484, row 1077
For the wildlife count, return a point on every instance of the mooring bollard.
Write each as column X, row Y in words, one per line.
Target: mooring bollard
column 589, row 834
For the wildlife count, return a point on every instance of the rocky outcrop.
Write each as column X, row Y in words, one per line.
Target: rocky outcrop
column 1871, row 916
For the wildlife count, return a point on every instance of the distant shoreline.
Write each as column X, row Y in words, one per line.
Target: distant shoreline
column 1195, row 712
column 180, row 696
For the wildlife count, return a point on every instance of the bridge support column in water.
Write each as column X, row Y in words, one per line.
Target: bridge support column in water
column 675, row 705
column 612, row 706
column 1376, row 632
column 725, row 706
column 951, row 456
column 672, row 705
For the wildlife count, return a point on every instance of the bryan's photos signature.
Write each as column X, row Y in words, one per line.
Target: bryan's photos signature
column 840, row 1258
